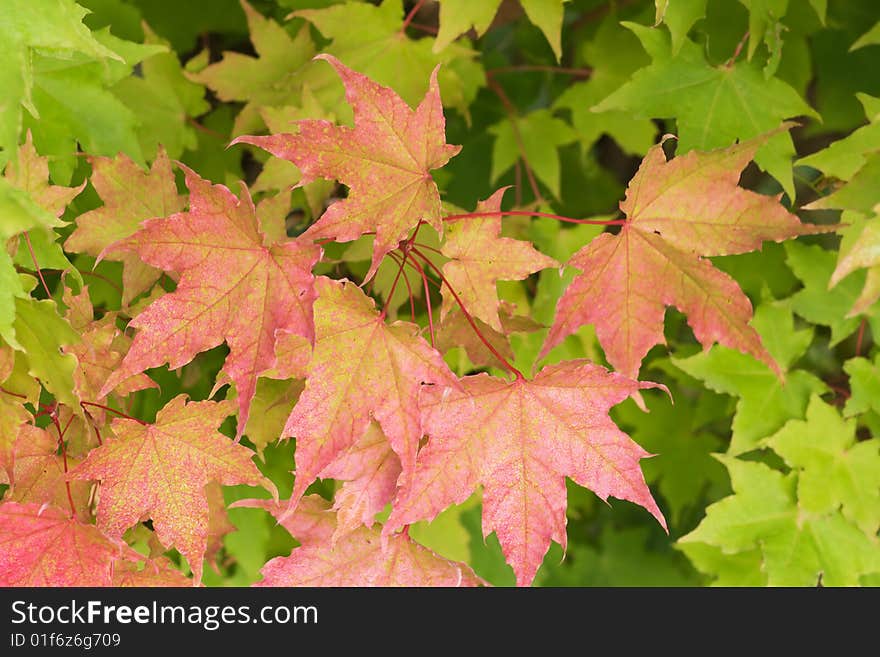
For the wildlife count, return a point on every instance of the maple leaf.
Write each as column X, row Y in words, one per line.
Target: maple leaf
column 456, row 331
column 130, row 196
column 50, row 28
column 479, row 257
column 764, row 404
column 270, row 79
column 370, row 469
column 100, row 351
column 519, row 440
column 864, row 383
column 384, row 160
column 363, row 557
column 13, row 413
column 713, row 105
column 677, row 211
column 459, row 16
column 233, row 286
column 679, row 17
column 821, row 303
column 361, row 369
column 164, row 101
column 634, row 135
column 161, row 471
column 795, row 546
column 388, row 56
column 535, row 139
column 155, row 572
column 836, row 470
column 43, row 546
column 39, row 473
column 30, row 172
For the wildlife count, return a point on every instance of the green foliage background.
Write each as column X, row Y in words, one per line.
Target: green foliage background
column 761, row 483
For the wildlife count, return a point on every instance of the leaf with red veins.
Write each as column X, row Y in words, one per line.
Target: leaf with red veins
column 161, row 471
column 456, row 331
column 44, row 546
column 38, row 473
column 232, row 287
column 312, row 523
column 362, row 557
column 154, row 573
column 479, row 257
column 30, row 172
column 385, row 161
column 362, row 369
column 131, row 196
column 677, row 211
column 99, row 353
column 520, row 440
column 370, row 469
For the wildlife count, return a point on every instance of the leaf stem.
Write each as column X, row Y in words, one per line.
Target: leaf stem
column 512, row 114
column 859, row 338
column 737, row 51
column 412, row 14
column 27, row 239
column 113, row 410
column 507, row 365
column 583, row 72
column 12, row 394
column 427, row 299
column 401, row 261
column 526, row 213
column 63, row 446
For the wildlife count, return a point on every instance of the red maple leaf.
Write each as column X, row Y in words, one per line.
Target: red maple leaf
column 43, row 546
column 130, row 196
column 479, row 257
column 233, row 286
column 385, row 161
column 363, row 557
column 361, row 369
column 677, row 211
column 520, row 440
column 369, row 470
column 161, row 471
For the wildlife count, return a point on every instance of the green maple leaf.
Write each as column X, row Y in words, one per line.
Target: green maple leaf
column 42, row 332
column 75, row 104
column 679, row 16
column 844, row 157
column 163, row 99
column 714, row 106
column 608, row 74
column 797, row 548
column 835, row 471
column 459, row 16
column 869, row 38
column 764, row 402
column 272, row 78
column 739, row 569
column 864, row 382
column 18, row 213
column 54, row 28
column 683, row 464
column 814, row 266
column 535, row 137
column 622, row 558
column 380, row 50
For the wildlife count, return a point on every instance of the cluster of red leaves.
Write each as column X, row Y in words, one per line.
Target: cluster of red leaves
column 380, row 410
